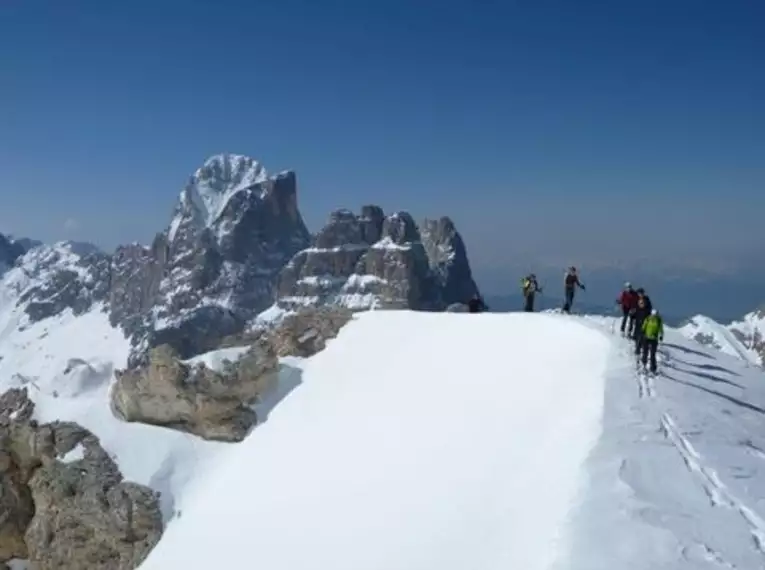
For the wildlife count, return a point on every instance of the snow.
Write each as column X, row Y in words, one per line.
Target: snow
column 678, row 479
column 361, row 281
column 409, row 462
column 707, row 331
column 76, row 454
column 67, row 364
column 473, row 448
column 215, row 359
column 337, row 248
column 388, row 243
column 437, row 440
column 270, row 316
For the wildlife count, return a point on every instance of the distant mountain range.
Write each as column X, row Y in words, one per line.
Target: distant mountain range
column 235, row 246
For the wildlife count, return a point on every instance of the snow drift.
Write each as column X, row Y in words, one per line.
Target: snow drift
column 414, row 441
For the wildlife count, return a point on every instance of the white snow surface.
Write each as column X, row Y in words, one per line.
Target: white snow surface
column 409, row 462
column 216, row 359
column 453, row 441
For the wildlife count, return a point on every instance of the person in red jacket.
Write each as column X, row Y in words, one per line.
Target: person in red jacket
column 628, row 301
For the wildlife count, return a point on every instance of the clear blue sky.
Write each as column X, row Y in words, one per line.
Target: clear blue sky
column 550, row 130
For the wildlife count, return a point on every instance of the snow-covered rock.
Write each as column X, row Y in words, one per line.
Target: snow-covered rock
column 216, row 265
column 205, row 277
column 213, row 404
column 370, row 261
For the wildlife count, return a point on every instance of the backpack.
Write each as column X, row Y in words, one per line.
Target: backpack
column 653, row 327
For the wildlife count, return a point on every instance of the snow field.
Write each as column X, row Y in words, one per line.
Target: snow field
column 445, row 441
column 415, row 441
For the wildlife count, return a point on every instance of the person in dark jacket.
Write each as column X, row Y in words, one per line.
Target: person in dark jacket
column 476, row 304
column 570, row 283
column 628, row 302
column 530, row 287
column 642, row 311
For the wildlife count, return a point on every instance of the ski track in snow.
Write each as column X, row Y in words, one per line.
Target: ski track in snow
column 717, row 492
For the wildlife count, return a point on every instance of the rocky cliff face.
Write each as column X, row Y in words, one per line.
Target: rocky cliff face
column 214, row 268
column 375, row 261
column 235, row 244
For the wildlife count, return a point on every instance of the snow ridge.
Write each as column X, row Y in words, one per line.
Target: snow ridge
column 742, row 339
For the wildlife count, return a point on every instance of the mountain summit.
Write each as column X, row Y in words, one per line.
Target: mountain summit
column 209, row 190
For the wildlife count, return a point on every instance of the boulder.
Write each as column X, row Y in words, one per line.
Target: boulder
column 195, row 399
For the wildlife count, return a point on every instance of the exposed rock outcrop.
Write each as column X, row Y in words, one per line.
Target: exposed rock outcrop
column 213, row 405
column 64, row 504
column 307, row 332
column 373, row 261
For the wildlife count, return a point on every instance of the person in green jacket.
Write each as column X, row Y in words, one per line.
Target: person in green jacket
column 653, row 333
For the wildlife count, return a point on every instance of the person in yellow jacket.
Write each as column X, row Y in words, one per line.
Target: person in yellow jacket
column 653, row 333
column 529, row 288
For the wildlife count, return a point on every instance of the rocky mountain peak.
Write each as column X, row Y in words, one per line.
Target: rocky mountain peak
column 400, row 228
column 368, row 260
column 448, row 259
column 216, row 182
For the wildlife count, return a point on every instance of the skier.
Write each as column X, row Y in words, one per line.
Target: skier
column 628, row 302
column 653, row 333
column 570, row 282
column 476, row 304
column 642, row 311
column 530, row 287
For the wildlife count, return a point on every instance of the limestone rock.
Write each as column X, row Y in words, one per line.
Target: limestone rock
column 63, row 503
column 373, row 261
column 305, row 333
column 195, row 399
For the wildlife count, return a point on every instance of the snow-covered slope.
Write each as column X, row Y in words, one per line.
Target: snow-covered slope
column 742, row 339
column 420, row 441
column 412, row 461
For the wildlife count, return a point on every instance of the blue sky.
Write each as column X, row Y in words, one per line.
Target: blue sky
column 551, row 131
